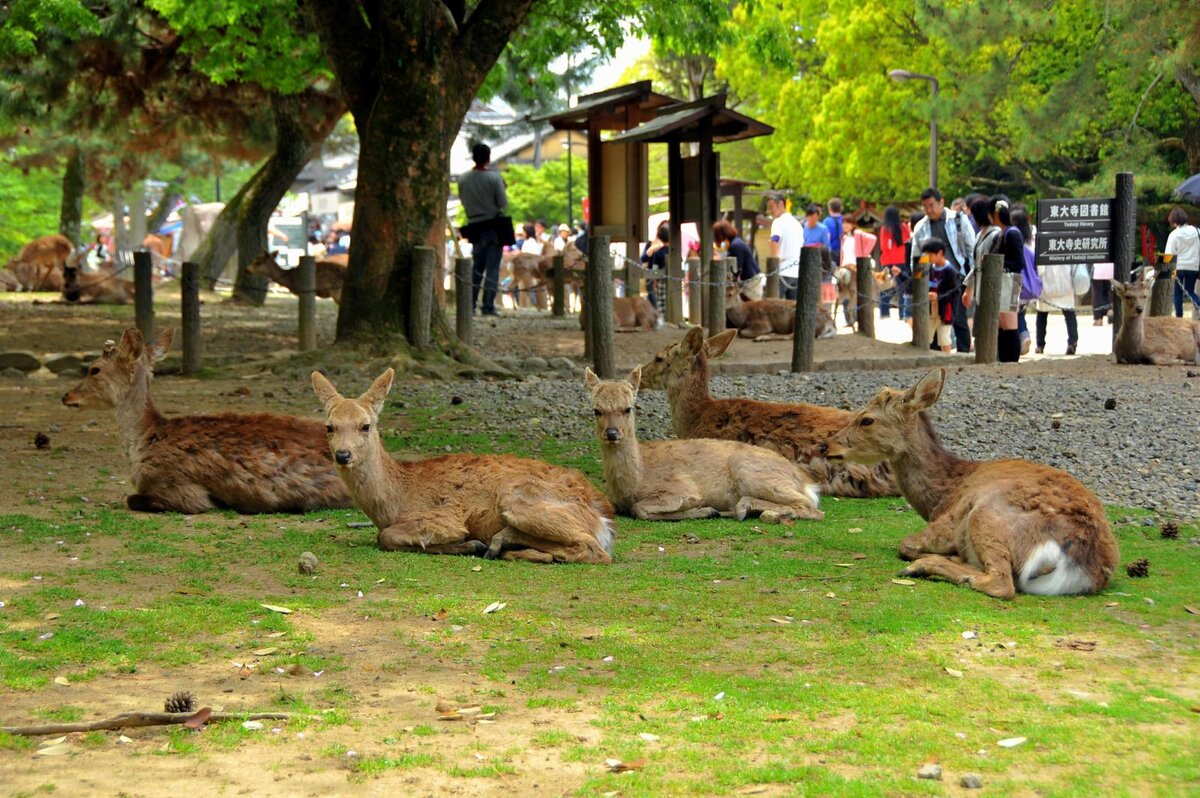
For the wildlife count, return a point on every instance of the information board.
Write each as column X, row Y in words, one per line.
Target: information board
column 1074, row 231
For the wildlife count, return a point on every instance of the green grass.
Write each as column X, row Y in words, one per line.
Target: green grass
column 847, row 699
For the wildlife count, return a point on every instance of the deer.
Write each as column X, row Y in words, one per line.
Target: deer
column 330, row 275
column 500, row 506
column 38, row 266
column 769, row 319
column 998, row 526
column 632, row 314
column 247, row 462
column 794, row 430
column 103, row 286
column 1152, row 340
column 689, row 479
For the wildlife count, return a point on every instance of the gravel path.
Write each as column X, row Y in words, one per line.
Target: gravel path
column 1143, row 453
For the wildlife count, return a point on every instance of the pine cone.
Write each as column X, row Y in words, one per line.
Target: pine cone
column 183, row 701
column 1170, row 530
column 1138, row 568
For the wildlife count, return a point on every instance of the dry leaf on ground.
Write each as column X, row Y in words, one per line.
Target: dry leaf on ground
column 617, row 766
column 495, row 606
column 903, row 582
column 197, row 720
column 1011, row 742
column 53, row 750
column 954, row 673
column 276, row 608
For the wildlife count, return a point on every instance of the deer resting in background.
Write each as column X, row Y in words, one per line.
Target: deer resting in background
column 680, row 480
column 1000, row 526
column 796, row 431
column 330, row 275
column 101, row 287
column 250, row 463
column 38, row 266
column 1152, row 340
column 769, row 319
column 497, row 505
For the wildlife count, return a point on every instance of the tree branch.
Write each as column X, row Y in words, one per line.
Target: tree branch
column 129, row 720
column 486, row 32
column 1142, row 102
column 351, row 46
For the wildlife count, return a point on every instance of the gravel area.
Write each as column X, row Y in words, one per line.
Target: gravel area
column 1144, row 452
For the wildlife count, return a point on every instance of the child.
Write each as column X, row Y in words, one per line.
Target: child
column 943, row 289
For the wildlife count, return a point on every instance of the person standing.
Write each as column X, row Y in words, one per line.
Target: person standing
column 856, row 244
column 1011, row 245
column 952, row 228
column 893, row 235
column 834, row 224
column 787, row 238
column 748, row 275
column 1184, row 244
column 563, row 238
column 485, row 199
column 817, row 235
column 654, row 257
column 943, row 290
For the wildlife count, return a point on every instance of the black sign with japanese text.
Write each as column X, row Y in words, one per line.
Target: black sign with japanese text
column 1074, row 231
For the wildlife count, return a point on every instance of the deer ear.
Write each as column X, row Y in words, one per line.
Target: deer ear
column 1118, row 288
column 590, row 380
column 925, row 393
column 324, row 390
column 720, row 342
column 131, row 345
column 694, row 340
column 635, row 378
column 161, row 344
column 378, row 391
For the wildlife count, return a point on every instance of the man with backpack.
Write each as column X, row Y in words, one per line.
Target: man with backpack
column 953, row 228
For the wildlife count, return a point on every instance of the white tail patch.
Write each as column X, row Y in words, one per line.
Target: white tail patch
column 605, row 534
column 1048, row 571
column 814, row 494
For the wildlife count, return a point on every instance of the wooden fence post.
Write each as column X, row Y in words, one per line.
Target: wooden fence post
column 808, row 294
column 559, row 276
column 598, row 296
column 306, row 291
column 420, row 298
column 695, row 292
column 714, row 306
column 463, row 269
column 772, row 289
column 143, row 293
column 1162, row 296
column 866, row 299
column 987, row 314
column 190, row 309
column 1124, row 238
column 674, row 286
column 922, row 334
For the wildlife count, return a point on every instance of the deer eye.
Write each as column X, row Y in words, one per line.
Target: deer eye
column 866, row 421
column 597, row 412
column 658, row 359
column 628, row 410
column 93, row 371
column 329, row 428
column 366, row 427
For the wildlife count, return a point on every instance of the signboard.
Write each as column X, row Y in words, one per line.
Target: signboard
column 323, row 203
column 1074, row 231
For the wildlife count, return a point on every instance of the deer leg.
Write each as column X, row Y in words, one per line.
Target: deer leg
column 986, row 531
column 551, row 519
column 674, row 501
column 800, row 508
column 952, row 570
column 939, row 537
column 772, row 337
column 187, row 500
column 430, row 532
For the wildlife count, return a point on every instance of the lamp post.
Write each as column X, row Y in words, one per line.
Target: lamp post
column 904, row 74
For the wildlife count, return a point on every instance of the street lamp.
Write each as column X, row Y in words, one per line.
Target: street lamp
column 904, row 74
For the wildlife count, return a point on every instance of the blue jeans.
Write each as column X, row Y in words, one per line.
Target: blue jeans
column 486, row 270
column 1188, row 279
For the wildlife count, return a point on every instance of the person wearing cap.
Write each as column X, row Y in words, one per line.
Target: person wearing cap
column 563, row 238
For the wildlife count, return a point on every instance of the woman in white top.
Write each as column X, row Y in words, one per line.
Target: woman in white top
column 532, row 244
column 1184, row 244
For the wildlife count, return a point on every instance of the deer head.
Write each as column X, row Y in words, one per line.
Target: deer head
column 889, row 423
column 110, row 376
column 1134, row 297
column 262, row 263
column 675, row 361
column 351, row 423
column 613, row 403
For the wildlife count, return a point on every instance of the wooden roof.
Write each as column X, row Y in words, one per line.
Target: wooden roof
column 681, row 122
column 607, row 109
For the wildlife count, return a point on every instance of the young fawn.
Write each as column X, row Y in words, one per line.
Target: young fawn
column 330, row 275
column 795, row 431
column 1152, row 340
column 999, row 526
column 251, row 463
column 679, row 480
column 496, row 505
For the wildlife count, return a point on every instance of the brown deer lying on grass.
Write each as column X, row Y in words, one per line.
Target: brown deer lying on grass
column 769, row 319
column 996, row 525
column 1152, row 340
column 38, row 266
column 330, row 275
column 250, row 463
column 632, row 314
column 101, row 287
column 497, row 505
column 796, row 431
column 679, row 480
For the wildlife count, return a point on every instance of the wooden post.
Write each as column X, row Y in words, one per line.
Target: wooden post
column 866, row 299
column 1162, row 296
column 922, row 335
column 599, row 305
column 695, row 292
column 143, row 293
column 1124, row 233
column 559, row 276
column 420, row 298
column 463, row 268
column 190, row 302
column 306, row 291
column 674, row 282
column 987, row 314
column 714, row 300
column 808, row 294
column 772, row 289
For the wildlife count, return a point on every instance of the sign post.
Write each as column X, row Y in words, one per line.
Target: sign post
column 1073, row 232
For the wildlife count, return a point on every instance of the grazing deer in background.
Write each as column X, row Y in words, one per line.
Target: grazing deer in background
column 796, row 431
column 999, row 525
column 330, row 275
column 1152, row 340
column 498, row 505
column 250, row 463
column 769, row 319
column 679, row 480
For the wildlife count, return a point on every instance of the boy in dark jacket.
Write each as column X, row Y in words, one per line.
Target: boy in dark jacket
column 943, row 289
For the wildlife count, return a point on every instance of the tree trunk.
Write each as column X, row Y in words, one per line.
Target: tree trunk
column 162, row 210
column 221, row 242
column 71, row 214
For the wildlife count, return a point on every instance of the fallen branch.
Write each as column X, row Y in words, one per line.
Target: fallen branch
column 128, row 720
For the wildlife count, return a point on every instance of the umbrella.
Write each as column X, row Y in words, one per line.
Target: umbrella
column 1189, row 189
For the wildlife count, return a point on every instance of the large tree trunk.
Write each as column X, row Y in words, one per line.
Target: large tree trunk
column 70, row 216
column 162, row 210
column 407, row 116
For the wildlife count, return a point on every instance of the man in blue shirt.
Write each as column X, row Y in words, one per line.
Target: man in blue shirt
column 833, row 223
column 815, row 233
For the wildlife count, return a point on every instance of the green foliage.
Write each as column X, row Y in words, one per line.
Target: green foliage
column 22, row 22
column 542, row 193
column 29, row 208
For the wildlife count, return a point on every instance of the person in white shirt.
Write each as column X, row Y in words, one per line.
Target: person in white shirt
column 787, row 239
column 532, row 243
column 1184, row 244
column 564, row 236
